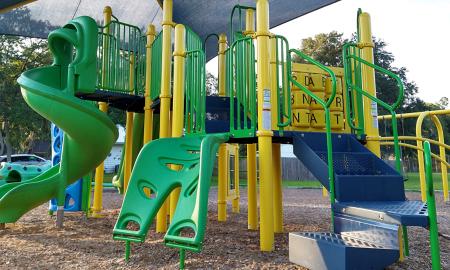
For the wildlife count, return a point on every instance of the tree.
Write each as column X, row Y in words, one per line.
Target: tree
column 325, row 48
column 21, row 124
column 212, row 84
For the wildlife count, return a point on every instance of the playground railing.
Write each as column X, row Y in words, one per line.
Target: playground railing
column 155, row 87
column 241, row 86
column 241, row 21
column 351, row 61
column 283, row 86
column 195, row 92
column 325, row 104
column 195, row 84
column 121, row 58
column 431, row 207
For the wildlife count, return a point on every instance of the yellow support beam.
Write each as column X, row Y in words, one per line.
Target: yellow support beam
column 128, row 162
column 165, row 96
column 276, row 154
column 97, row 205
column 368, row 82
column 235, row 202
column 264, row 126
column 252, row 201
column 178, row 98
column 222, row 160
column 148, row 112
column 277, row 189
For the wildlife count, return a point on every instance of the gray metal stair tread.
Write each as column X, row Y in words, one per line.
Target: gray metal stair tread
column 409, row 213
column 343, row 240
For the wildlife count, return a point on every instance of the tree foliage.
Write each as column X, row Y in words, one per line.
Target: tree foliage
column 23, row 125
column 212, row 84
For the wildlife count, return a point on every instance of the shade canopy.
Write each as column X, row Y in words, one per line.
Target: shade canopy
column 38, row 18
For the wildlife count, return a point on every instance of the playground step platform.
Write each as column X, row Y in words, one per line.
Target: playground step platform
column 320, row 250
column 408, row 213
column 122, row 101
column 359, row 174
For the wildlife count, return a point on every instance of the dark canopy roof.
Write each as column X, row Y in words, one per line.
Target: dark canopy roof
column 38, row 18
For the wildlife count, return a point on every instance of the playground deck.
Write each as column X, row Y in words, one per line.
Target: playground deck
column 34, row 242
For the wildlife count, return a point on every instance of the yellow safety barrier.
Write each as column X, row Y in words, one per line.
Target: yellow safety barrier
column 418, row 138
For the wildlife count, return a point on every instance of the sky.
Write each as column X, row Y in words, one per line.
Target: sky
column 416, row 32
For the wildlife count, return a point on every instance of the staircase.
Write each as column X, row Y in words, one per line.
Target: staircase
column 370, row 208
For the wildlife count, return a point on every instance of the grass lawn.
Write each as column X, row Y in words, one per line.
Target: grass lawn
column 413, row 182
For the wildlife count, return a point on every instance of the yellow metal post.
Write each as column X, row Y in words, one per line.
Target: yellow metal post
column 128, row 150
column 420, row 158
column 235, row 202
column 264, row 126
column 444, row 174
column 128, row 162
column 178, row 98
column 252, row 215
column 277, row 189
column 103, row 106
column 276, row 152
column 161, row 219
column 368, row 82
column 148, row 112
column 222, row 162
column 252, row 218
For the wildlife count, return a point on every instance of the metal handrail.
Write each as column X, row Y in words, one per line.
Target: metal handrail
column 391, row 108
column 431, row 207
column 283, row 59
column 325, row 105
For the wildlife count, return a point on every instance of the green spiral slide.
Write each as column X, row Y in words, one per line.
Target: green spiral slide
column 89, row 133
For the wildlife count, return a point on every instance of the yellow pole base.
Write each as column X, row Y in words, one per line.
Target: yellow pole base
column 252, row 218
column 277, row 189
column 266, row 191
column 222, row 184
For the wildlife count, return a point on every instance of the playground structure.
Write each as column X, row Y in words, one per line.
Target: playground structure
column 325, row 112
column 421, row 116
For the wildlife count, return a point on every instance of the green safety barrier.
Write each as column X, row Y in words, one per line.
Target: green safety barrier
column 155, row 85
column 121, row 45
column 241, row 87
column 283, row 91
column 195, row 84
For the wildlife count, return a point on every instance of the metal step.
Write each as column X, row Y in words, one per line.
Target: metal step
column 408, row 213
column 318, row 251
column 359, row 174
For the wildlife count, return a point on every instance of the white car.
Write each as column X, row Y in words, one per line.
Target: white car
column 22, row 167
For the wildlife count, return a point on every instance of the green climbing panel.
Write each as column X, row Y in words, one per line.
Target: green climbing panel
column 195, row 157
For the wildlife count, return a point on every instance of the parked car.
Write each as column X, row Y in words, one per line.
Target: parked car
column 22, row 167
